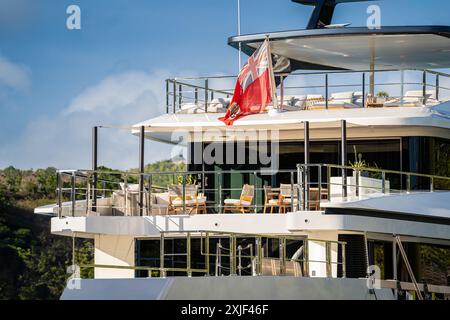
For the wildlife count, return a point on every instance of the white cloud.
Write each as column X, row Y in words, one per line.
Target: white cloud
column 64, row 140
column 14, row 76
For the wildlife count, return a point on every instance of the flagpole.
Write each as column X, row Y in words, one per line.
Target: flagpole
column 239, row 32
column 272, row 76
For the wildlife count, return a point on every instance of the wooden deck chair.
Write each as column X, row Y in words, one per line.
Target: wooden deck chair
column 286, row 197
column 176, row 204
column 242, row 204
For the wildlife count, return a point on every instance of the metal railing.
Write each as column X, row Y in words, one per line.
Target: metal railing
column 310, row 185
column 261, row 259
column 200, row 92
column 330, row 183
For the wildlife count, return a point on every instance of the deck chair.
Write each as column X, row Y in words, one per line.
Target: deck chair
column 242, row 204
column 286, row 197
column 192, row 201
column 271, row 199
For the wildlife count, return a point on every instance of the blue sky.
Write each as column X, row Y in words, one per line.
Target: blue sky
column 55, row 83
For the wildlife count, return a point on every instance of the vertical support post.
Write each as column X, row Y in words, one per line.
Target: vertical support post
column 180, row 95
column 281, row 249
column 206, row 95
column 196, row 96
column 184, row 192
column 328, row 258
column 73, row 192
column 255, row 179
column 174, row 98
column 306, row 156
column 207, row 254
column 188, row 254
column 344, row 156
column 94, row 167
column 344, row 261
column 408, row 183
column 167, row 95
column 437, row 87
column 356, row 174
column 219, row 190
column 364, row 90
column 149, row 198
column 394, row 265
column 319, row 187
column 306, row 257
column 402, row 89
column 281, row 92
column 432, row 184
column 292, row 191
column 326, row 90
column 424, row 87
column 59, row 182
column 299, row 186
column 328, row 183
column 141, row 169
column 383, row 182
column 162, row 272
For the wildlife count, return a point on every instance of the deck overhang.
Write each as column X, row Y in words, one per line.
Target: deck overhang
column 387, row 48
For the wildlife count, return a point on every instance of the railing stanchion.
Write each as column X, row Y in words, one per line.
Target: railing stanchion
column 255, row 179
column 328, row 183
column 326, row 90
column 356, row 175
column 174, row 98
column 206, row 95
column 281, row 249
column 364, row 90
column 344, row 261
column 184, row 193
column 432, row 184
column 437, row 87
column 188, row 253
column 59, row 191
column 292, row 192
column 424, row 87
column 149, row 198
column 299, row 186
column 73, row 192
column 167, row 96
column 207, row 253
column 408, row 183
column 383, row 182
column 319, row 187
column 196, row 95
column 162, row 273
column 219, row 190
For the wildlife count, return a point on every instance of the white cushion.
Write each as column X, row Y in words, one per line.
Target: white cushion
column 273, row 201
column 133, row 187
column 314, row 96
column 342, row 97
column 232, row 201
column 237, row 202
column 180, row 202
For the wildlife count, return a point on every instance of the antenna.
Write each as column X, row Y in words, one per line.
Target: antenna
column 239, row 33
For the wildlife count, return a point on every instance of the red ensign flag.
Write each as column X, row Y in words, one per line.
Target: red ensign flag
column 253, row 91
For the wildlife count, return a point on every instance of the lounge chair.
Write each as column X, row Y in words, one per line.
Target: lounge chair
column 271, row 199
column 340, row 100
column 287, row 198
column 192, row 201
column 242, row 204
column 414, row 99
